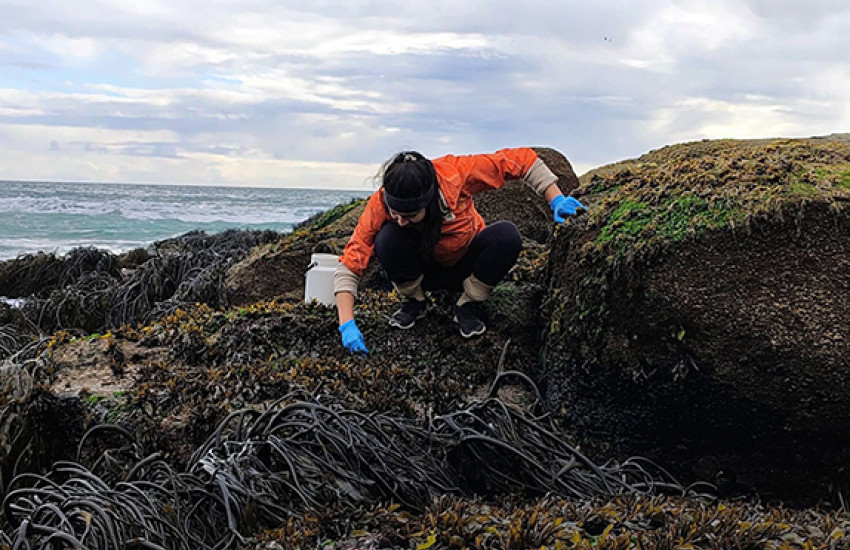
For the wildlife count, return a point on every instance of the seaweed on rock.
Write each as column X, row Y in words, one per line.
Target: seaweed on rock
column 40, row 274
column 185, row 270
column 90, row 290
column 260, row 469
column 15, row 331
column 19, row 376
column 81, row 306
column 393, row 449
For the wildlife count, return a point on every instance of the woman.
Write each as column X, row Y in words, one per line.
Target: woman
column 426, row 233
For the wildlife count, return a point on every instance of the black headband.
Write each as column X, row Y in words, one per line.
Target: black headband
column 411, row 204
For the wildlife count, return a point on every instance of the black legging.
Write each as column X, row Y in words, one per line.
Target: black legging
column 490, row 256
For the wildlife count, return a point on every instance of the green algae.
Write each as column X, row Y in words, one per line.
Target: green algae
column 837, row 176
column 631, row 218
column 328, row 217
column 672, row 219
column 681, row 192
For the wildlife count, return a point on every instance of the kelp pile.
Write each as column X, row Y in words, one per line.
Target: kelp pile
column 38, row 275
column 72, row 291
column 306, row 473
column 178, row 377
column 13, row 332
column 20, row 375
column 262, row 469
column 186, row 270
column 90, row 290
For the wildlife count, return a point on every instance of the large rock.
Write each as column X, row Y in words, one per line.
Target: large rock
column 277, row 270
column 700, row 312
column 516, row 202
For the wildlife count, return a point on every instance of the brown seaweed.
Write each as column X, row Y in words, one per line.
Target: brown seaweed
column 260, row 469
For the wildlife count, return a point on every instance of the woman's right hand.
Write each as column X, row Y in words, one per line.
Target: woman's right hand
column 352, row 338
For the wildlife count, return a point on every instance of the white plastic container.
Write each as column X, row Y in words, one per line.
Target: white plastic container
column 320, row 279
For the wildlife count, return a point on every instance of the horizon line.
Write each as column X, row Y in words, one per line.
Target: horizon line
column 160, row 184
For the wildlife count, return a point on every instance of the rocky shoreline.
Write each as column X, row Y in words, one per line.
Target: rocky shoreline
column 656, row 325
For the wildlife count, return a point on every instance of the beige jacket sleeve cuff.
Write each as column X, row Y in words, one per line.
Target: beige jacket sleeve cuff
column 539, row 177
column 345, row 280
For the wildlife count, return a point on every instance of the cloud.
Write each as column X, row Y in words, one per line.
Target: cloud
column 249, row 90
column 84, row 48
column 134, row 160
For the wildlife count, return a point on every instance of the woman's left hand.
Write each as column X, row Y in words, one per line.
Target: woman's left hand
column 565, row 206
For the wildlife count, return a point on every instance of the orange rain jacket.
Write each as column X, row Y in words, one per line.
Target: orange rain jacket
column 458, row 177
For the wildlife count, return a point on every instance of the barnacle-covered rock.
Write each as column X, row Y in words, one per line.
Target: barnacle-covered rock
column 701, row 310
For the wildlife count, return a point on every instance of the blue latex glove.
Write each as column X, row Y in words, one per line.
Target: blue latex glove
column 565, row 206
column 352, row 338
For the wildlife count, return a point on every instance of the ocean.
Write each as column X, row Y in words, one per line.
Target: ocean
column 56, row 217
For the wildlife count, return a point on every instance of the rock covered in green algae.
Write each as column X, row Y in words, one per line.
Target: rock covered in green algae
column 700, row 311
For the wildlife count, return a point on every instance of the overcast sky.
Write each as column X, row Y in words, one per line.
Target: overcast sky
column 318, row 93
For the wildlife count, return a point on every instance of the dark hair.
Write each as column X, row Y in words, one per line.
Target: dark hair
column 409, row 178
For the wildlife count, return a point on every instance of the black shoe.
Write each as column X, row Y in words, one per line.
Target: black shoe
column 467, row 317
column 409, row 312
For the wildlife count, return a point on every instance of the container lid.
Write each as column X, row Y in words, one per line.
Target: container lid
column 324, row 259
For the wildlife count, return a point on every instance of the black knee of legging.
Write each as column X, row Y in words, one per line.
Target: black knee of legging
column 397, row 250
column 497, row 248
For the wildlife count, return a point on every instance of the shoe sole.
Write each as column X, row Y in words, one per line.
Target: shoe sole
column 405, row 327
column 482, row 330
